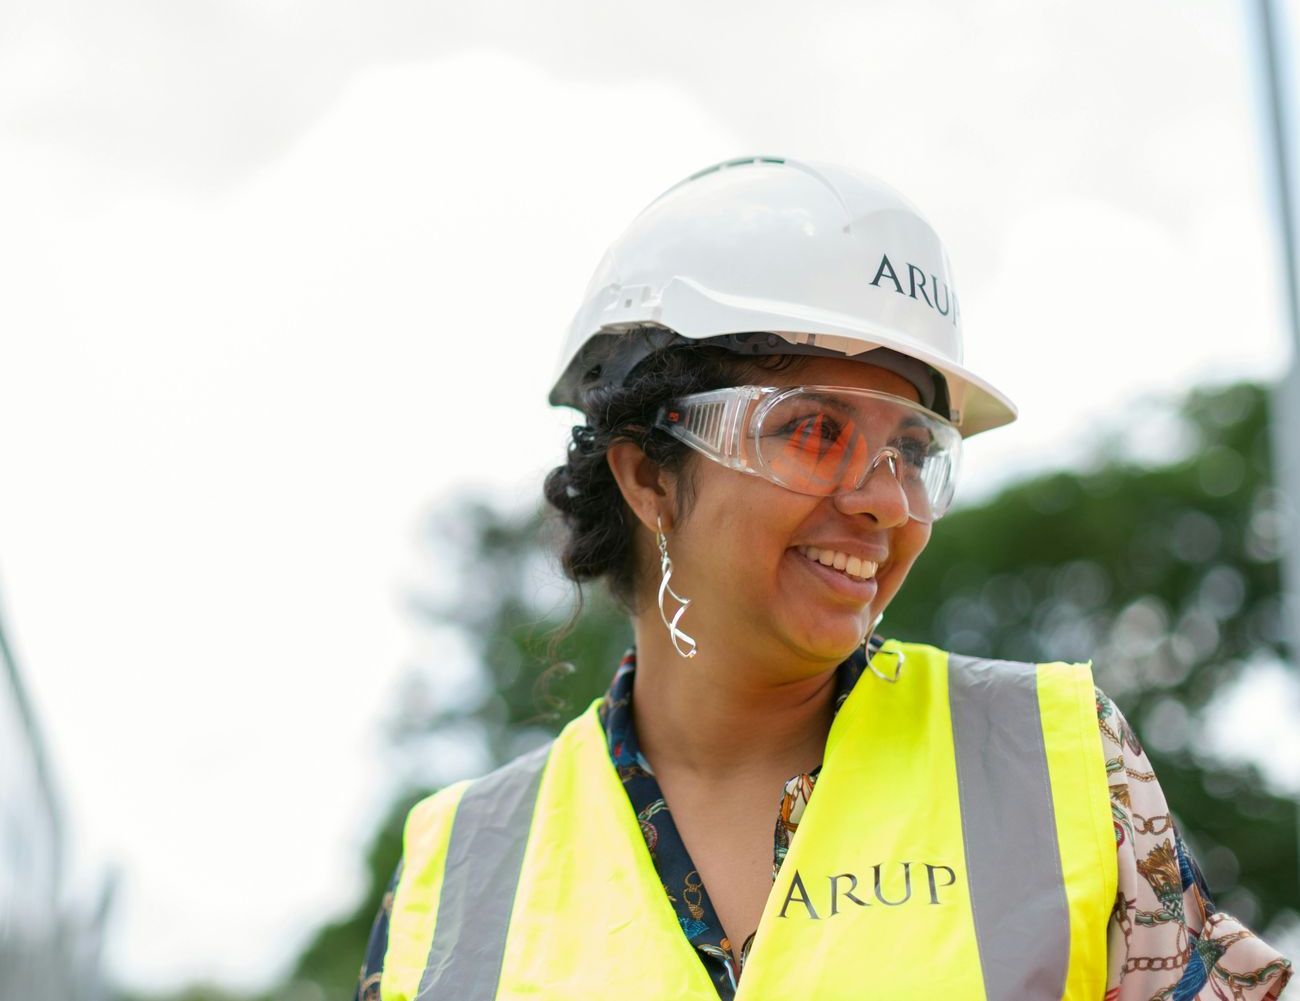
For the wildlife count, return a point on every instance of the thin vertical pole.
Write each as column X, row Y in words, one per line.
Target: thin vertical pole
column 36, row 747
column 1281, row 147
column 1286, row 401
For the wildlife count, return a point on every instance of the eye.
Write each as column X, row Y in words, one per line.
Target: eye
column 811, row 429
column 915, row 451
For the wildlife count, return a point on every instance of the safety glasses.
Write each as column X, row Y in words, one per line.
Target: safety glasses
column 823, row 440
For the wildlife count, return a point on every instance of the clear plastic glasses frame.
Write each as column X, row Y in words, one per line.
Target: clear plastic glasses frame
column 823, row 440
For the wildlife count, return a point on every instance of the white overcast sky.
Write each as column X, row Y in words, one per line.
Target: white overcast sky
column 262, row 262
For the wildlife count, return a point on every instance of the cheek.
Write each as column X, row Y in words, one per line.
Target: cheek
column 909, row 542
column 914, row 539
column 740, row 535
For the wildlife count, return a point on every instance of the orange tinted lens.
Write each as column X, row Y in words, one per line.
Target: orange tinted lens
column 813, row 451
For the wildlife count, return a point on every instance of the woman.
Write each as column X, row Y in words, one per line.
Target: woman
column 769, row 365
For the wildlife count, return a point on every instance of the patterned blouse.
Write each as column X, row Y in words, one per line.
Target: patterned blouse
column 1165, row 939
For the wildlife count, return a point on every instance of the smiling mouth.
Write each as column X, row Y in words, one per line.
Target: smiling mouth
column 850, row 566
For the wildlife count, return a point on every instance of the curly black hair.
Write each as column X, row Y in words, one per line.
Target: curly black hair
column 598, row 543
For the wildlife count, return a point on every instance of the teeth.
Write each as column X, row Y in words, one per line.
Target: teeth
column 850, row 565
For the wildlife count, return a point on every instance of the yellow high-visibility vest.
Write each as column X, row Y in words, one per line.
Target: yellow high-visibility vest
column 959, row 845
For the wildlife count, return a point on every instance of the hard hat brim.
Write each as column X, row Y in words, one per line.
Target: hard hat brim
column 696, row 313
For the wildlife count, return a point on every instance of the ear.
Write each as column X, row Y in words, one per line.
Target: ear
column 647, row 487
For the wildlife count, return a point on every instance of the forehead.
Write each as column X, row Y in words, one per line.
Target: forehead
column 810, row 371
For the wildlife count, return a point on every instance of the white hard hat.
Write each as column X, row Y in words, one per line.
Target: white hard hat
column 769, row 255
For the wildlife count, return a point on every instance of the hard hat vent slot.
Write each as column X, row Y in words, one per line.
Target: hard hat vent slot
column 743, row 161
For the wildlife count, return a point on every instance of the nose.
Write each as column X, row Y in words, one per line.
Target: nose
column 880, row 495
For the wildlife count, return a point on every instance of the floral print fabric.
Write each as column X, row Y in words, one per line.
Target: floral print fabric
column 1165, row 939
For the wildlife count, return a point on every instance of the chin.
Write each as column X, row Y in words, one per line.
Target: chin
column 832, row 643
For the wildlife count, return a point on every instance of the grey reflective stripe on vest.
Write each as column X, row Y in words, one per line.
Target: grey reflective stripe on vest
column 1022, row 918
column 484, row 857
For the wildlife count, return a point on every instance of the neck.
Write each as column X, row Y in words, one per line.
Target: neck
column 723, row 715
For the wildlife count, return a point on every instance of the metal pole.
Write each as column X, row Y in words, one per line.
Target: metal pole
column 1286, row 398
column 1281, row 145
column 36, row 748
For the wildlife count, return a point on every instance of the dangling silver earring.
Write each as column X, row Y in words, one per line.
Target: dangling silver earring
column 897, row 654
column 666, row 573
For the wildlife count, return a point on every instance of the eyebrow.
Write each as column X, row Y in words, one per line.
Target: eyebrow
column 834, row 402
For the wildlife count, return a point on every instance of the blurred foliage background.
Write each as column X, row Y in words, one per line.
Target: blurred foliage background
column 1158, row 562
